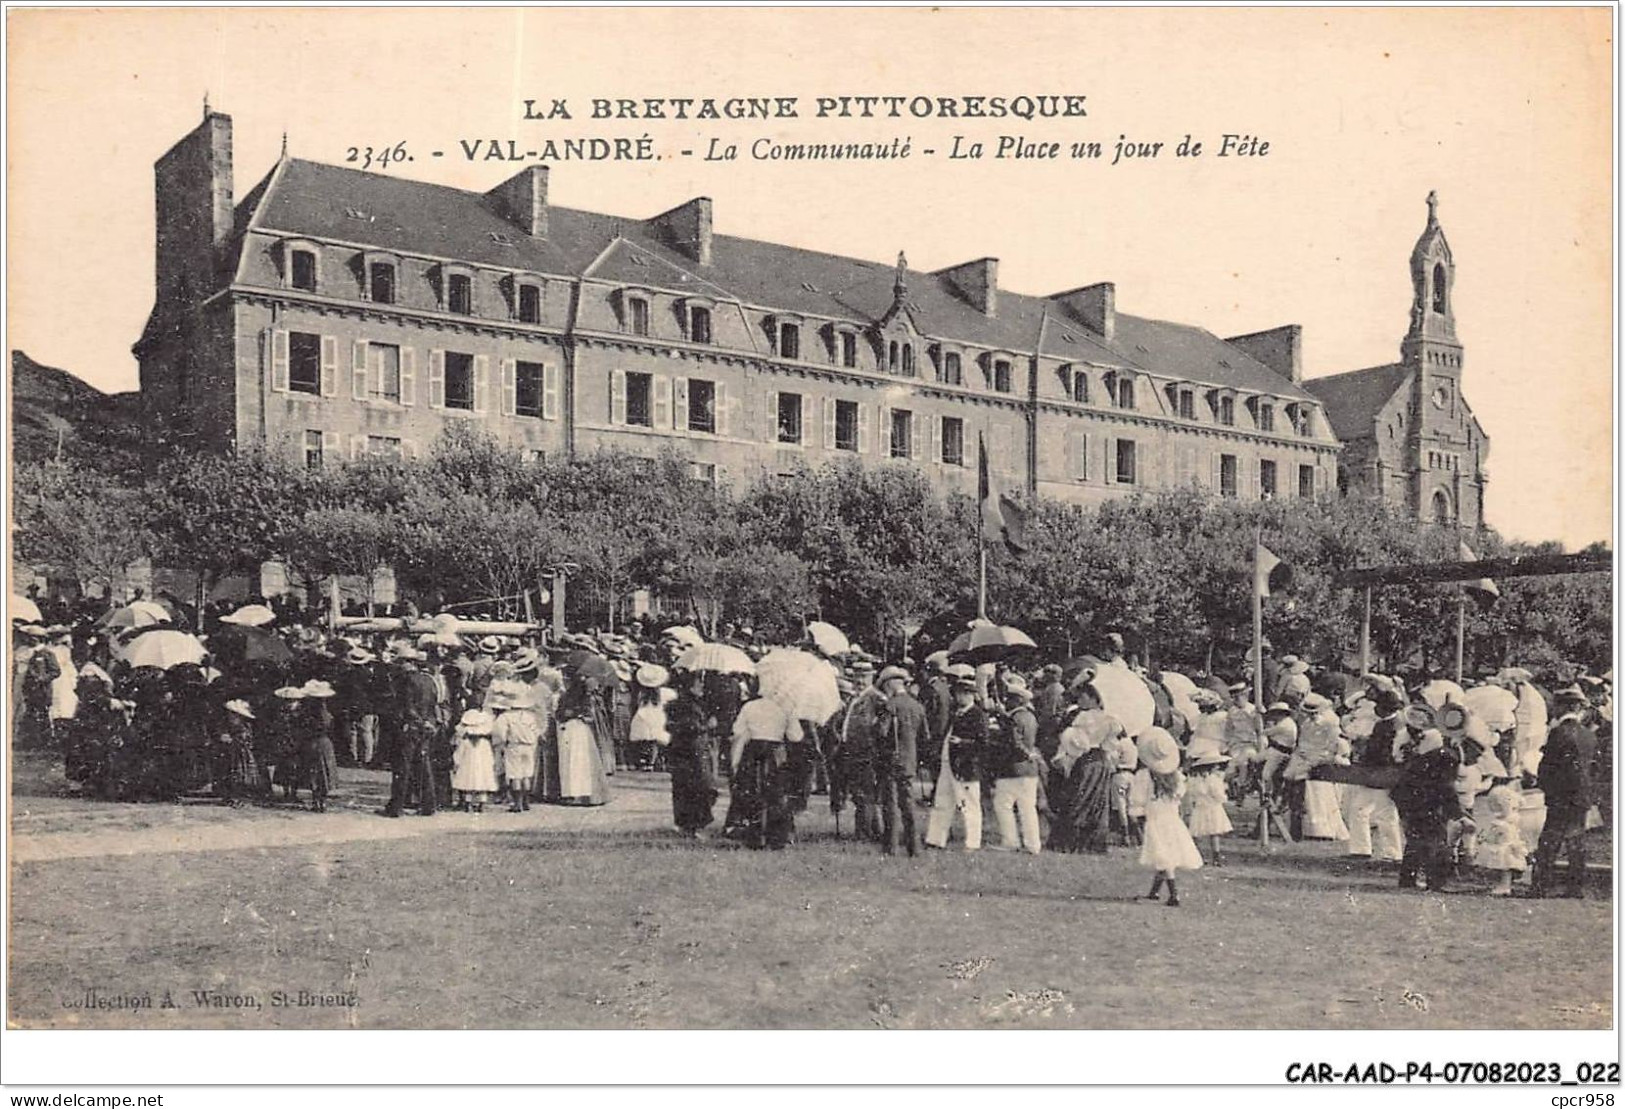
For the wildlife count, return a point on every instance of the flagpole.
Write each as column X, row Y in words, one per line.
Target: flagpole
column 1258, row 623
column 1365, row 635
column 984, row 489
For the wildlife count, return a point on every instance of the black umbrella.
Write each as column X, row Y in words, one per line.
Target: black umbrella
column 238, row 644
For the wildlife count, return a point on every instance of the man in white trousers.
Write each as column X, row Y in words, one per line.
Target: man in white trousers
column 1372, row 820
column 959, row 784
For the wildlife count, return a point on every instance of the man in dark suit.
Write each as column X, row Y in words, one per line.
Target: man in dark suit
column 1426, row 798
column 901, row 728
column 419, row 705
column 1565, row 778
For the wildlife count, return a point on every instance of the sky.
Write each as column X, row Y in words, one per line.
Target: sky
column 1507, row 113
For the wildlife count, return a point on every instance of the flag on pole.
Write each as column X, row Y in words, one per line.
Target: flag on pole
column 1001, row 515
column 1484, row 590
column 1270, row 574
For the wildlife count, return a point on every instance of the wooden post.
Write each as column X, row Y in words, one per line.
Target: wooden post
column 1365, row 635
column 981, row 577
column 558, row 604
column 1258, row 680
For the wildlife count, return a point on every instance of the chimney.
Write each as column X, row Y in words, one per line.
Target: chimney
column 522, row 200
column 1095, row 306
column 193, row 185
column 977, row 282
column 687, row 228
column 1280, row 348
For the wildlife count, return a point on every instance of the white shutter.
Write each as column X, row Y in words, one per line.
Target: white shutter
column 919, row 436
column 510, row 387
column 617, row 397
column 279, row 360
column 550, row 392
column 863, row 428
column 358, row 369
column 358, row 446
column 679, row 403
column 482, row 383
column 724, row 403
column 437, row 379
column 829, row 423
column 330, row 448
column 883, row 429
column 662, row 402
column 770, row 422
column 330, row 366
column 1111, row 460
column 409, row 375
column 940, row 439
column 1085, row 470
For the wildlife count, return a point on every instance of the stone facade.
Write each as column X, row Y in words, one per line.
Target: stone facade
column 333, row 314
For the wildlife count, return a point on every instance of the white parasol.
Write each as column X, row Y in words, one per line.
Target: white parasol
column 137, row 614
column 1493, row 704
column 163, row 648
column 23, row 609
column 802, row 684
column 717, row 658
column 828, row 638
column 1126, row 696
column 1440, row 691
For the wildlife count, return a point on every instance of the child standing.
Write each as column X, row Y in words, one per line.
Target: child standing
column 1167, row 845
column 1206, row 791
column 318, row 763
column 1500, row 845
column 473, row 774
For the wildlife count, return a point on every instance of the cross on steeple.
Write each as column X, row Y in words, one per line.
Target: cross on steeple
column 1433, row 208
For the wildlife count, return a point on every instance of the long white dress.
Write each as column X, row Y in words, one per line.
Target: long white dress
column 473, row 767
column 581, row 768
column 1207, row 795
column 1168, row 844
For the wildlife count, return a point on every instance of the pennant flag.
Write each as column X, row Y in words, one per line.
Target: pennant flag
column 1484, row 590
column 1001, row 515
column 1270, row 574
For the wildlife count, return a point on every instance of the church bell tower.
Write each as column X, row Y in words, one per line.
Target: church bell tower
column 1431, row 341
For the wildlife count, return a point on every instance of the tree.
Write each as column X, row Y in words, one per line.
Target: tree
column 77, row 523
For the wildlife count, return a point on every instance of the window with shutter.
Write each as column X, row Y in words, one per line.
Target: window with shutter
column 1110, row 457
column 409, row 375
column 724, row 408
column 330, row 366
column 550, row 392
column 770, row 417
column 921, row 433
column 358, row 446
column 437, row 379
column 529, row 389
column 330, row 448
column 482, row 383
column 359, row 388
column 830, row 419
column 617, row 397
column 679, row 403
column 663, row 416
column 510, row 387
column 862, row 444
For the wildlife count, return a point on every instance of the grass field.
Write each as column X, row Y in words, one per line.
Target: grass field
column 603, row 919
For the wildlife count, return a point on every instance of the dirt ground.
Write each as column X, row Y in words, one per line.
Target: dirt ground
column 200, row 916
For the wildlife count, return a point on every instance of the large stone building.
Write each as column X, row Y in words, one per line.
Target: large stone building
column 336, row 313
column 1407, row 431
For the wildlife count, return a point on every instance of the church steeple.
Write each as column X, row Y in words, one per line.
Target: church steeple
column 1433, row 310
column 899, row 287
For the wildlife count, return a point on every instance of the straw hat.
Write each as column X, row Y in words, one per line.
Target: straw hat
column 241, row 708
column 358, row 656
column 490, row 645
column 891, row 672
column 291, row 693
column 317, row 688
column 651, row 676
column 526, row 660
column 476, row 722
column 1158, row 751
column 938, row 661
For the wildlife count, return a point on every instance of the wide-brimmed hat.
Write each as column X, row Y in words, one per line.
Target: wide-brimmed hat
column 291, row 693
column 526, row 659
column 241, row 708
column 962, row 672
column 622, row 668
column 1431, row 739
column 317, row 688
column 891, row 672
column 1158, row 751
column 501, row 668
column 1314, row 702
column 1207, row 757
column 1386, row 702
column 476, row 722
column 937, row 660
column 491, row 644
column 1569, row 693
column 652, row 676
column 1419, row 717
column 358, row 656
column 1239, row 687
column 1207, row 700
column 1279, row 708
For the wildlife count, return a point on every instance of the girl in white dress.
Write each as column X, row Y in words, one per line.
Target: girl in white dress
column 1206, row 792
column 1500, row 845
column 473, row 767
column 1167, row 846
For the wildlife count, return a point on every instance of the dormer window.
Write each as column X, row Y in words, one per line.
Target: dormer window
column 892, row 356
column 952, row 371
column 1187, row 404
column 789, row 340
column 530, row 303
column 908, row 359
column 460, row 294
column 699, row 323
column 302, row 269
column 1125, row 392
column 1003, row 376
column 1080, row 387
column 1227, row 411
column 849, row 349
column 1266, row 417
column 381, row 282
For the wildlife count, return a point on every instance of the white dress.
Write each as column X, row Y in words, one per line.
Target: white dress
column 1168, row 844
column 473, row 766
column 1207, row 796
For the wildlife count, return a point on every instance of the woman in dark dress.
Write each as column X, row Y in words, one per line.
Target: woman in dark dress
column 1081, row 796
column 691, row 758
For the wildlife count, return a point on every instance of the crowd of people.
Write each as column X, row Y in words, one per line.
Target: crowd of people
column 1425, row 774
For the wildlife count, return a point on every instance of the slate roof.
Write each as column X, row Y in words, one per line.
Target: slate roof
column 396, row 214
column 1353, row 399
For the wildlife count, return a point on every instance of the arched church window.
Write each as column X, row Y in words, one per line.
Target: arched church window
column 1438, row 288
column 1442, row 513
